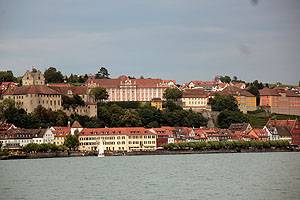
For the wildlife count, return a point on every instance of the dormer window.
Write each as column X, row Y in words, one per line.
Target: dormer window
column 69, row 91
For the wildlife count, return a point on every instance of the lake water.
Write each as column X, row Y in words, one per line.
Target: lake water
column 197, row 176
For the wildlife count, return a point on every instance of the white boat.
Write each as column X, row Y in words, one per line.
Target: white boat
column 101, row 149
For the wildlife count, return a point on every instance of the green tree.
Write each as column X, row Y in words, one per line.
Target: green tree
column 61, row 118
column 7, row 76
column 172, row 94
column 222, row 102
column 254, row 90
column 299, row 83
column 31, row 147
column 78, row 100
column 53, row 76
column 0, row 145
column 102, row 73
column 100, row 93
column 227, row 117
column 225, row 79
column 72, row 142
column 130, row 118
column 235, row 78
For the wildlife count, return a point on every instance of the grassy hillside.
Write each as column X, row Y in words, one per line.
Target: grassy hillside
column 259, row 118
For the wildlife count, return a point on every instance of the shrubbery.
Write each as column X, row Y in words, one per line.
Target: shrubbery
column 215, row 145
column 45, row 147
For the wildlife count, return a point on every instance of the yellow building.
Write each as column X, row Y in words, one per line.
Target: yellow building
column 245, row 100
column 117, row 139
column 60, row 133
column 157, row 103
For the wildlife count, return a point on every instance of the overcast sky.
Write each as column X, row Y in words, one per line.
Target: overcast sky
column 170, row 39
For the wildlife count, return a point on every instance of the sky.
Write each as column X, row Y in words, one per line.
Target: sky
column 182, row 40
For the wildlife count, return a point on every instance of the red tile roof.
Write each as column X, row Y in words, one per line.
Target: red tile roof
column 268, row 92
column 232, row 90
column 31, row 89
column 116, row 131
column 59, row 85
column 123, row 80
column 80, row 90
column 197, row 93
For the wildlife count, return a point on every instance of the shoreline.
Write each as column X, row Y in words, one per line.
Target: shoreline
column 141, row 153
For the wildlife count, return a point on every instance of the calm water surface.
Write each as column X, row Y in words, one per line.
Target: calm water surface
column 211, row 176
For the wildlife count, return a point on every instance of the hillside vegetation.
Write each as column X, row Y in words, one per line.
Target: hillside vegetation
column 259, row 118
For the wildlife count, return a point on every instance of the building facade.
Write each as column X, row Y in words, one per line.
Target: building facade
column 195, row 99
column 33, row 78
column 117, row 139
column 280, row 100
column 125, row 89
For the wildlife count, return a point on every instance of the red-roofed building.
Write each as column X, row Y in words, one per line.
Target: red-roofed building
column 287, row 129
column 60, row 133
column 117, row 139
column 280, row 100
column 261, row 133
column 125, row 89
column 5, row 85
column 164, row 136
column 195, row 99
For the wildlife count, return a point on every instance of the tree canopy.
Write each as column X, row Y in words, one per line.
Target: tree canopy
column 72, row 142
column 100, row 93
column 172, row 94
column 222, row 102
column 227, row 117
column 102, row 73
column 53, row 76
column 7, row 76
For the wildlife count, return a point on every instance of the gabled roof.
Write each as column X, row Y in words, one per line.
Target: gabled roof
column 238, row 126
column 290, row 124
column 31, row 89
column 194, row 93
column 268, row 92
column 232, row 90
column 76, row 124
column 80, row 90
column 239, row 85
column 283, row 131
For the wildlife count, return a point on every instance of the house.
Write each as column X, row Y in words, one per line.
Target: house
column 287, row 130
column 125, row 89
column 245, row 100
column 117, row 139
column 76, row 128
column 5, row 85
column 261, row 133
column 206, row 85
column 238, row 85
column 280, row 100
column 33, row 78
column 157, row 103
column 195, row 99
column 164, row 136
column 221, row 86
column 240, row 127
column 22, row 137
column 60, row 134
column 272, row 133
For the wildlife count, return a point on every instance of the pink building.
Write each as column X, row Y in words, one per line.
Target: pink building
column 125, row 89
